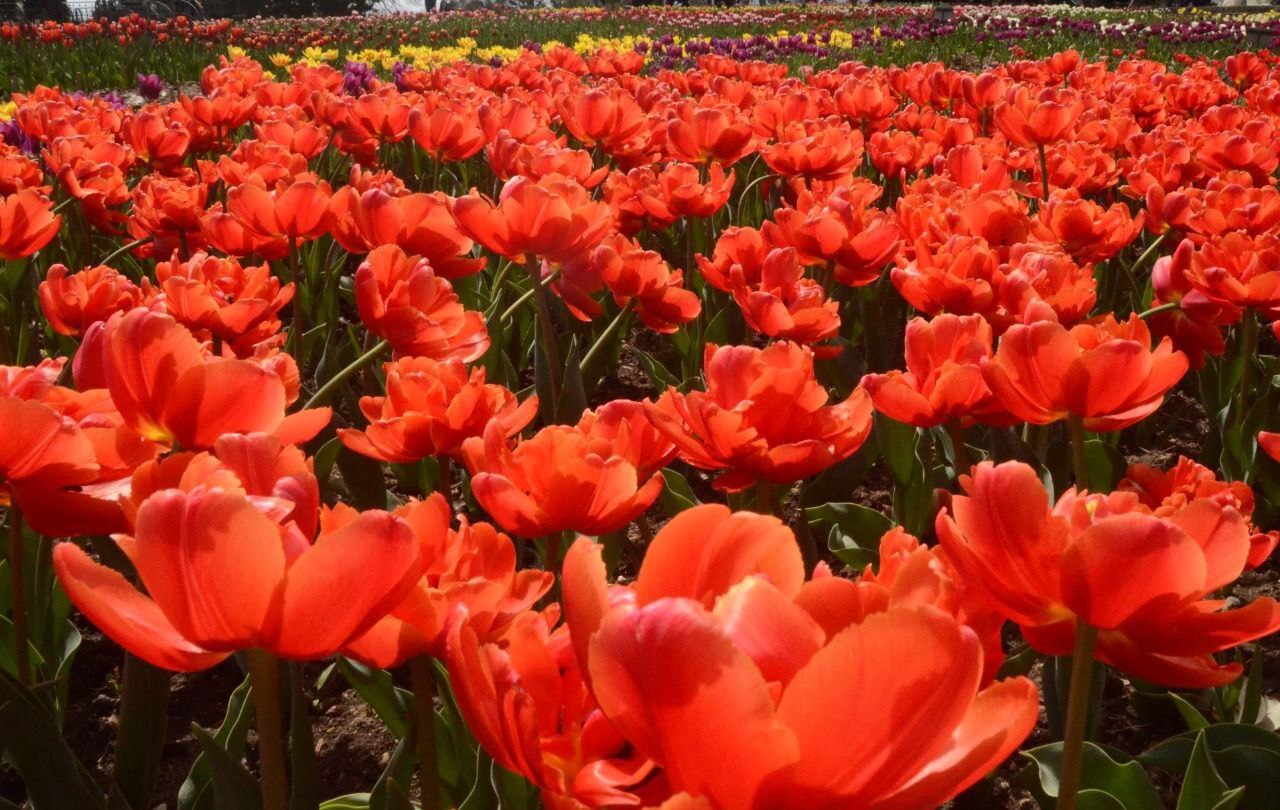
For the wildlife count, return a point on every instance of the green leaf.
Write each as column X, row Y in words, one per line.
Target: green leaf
column 1102, row 771
column 1202, row 787
column 661, row 378
column 1244, row 755
column 514, row 791
column 1105, row 463
column 573, row 397
column 144, row 720
column 1192, row 716
column 33, row 744
column 304, row 782
column 363, row 478
column 389, row 702
column 677, row 495
column 897, row 443
column 387, row 793
column 234, row 788
column 351, row 801
column 854, row 533
column 325, row 459
column 196, row 792
column 1251, row 699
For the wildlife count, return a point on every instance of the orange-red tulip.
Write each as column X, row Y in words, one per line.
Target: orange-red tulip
column 560, row 480
column 221, row 297
column 1144, row 581
column 553, row 218
column 27, row 224
column 239, row 580
column 401, row 299
column 781, row 303
column 1106, row 373
column 431, row 407
column 762, row 417
column 421, row 224
column 73, row 303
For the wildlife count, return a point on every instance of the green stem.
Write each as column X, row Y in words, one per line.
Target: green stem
column 338, row 379
column 956, row 432
column 1156, row 310
column 546, row 331
column 1081, row 469
column 1146, row 254
column 1248, row 350
column 123, row 249
column 424, row 692
column 766, row 498
column 1044, row 171
column 18, row 596
column 605, row 337
column 1077, row 714
column 265, row 671
column 525, row 296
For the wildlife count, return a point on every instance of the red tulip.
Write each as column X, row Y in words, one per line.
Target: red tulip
column 421, row 224
column 27, row 224
column 1107, row 373
column 73, row 303
column 400, row 298
column 762, row 417
column 431, row 408
column 221, row 297
column 553, row 218
column 238, row 580
column 1142, row 580
column 782, row 303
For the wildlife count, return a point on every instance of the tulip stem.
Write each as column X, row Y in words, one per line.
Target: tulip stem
column 264, row 669
column 1081, row 467
column 18, row 596
column 1248, row 349
column 1146, row 254
column 123, row 249
column 525, row 296
column 961, row 452
column 1044, row 171
column 605, row 336
column 1077, row 714
column 322, row 395
column 546, row 331
column 766, row 498
column 1156, row 310
column 424, row 712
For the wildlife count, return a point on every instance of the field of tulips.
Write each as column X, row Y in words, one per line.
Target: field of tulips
column 640, row 422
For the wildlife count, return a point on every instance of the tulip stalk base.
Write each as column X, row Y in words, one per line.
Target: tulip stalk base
column 424, row 715
column 18, row 597
column 1078, row 704
column 265, row 671
column 1079, row 464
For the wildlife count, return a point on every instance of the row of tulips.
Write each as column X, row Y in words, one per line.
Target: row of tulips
column 276, row 348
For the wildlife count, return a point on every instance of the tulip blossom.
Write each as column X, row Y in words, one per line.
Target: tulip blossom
column 743, row 248
column 1145, row 581
column 1106, row 374
column 559, row 480
column 472, row 568
column 1086, row 230
column 221, row 297
column 782, row 303
column 842, row 231
column 762, row 417
column 169, row 389
column 643, row 279
column 271, row 221
column 1195, row 326
column 27, row 224
column 74, row 302
column 553, row 218
column 702, row 134
column 431, row 408
column 298, row 599
column 741, row 681
column 1029, row 119
column 943, row 382
column 401, row 299
column 421, row 224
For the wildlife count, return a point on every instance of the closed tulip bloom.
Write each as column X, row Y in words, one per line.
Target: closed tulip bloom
column 72, row 302
column 762, row 417
column 472, row 568
column 1145, row 582
column 421, row 224
column 559, row 480
column 27, row 224
column 553, row 218
column 170, row 390
column 1106, row 373
column 221, row 576
column 431, row 407
column 943, row 381
column 400, row 298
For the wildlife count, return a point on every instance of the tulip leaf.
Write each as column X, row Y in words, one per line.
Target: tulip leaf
column 661, row 378
column 387, row 793
column 1103, row 770
column 514, row 791
column 455, row 747
column 144, row 716
column 234, row 788
column 33, row 744
column 325, row 459
column 351, row 801
column 196, row 792
column 1192, row 716
column 388, row 701
column 363, row 477
column 854, row 531
column 1244, row 756
column 1202, row 787
column 573, row 396
column 1105, row 463
column 677, row 495
column 1251, row 696
column 897, row 443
